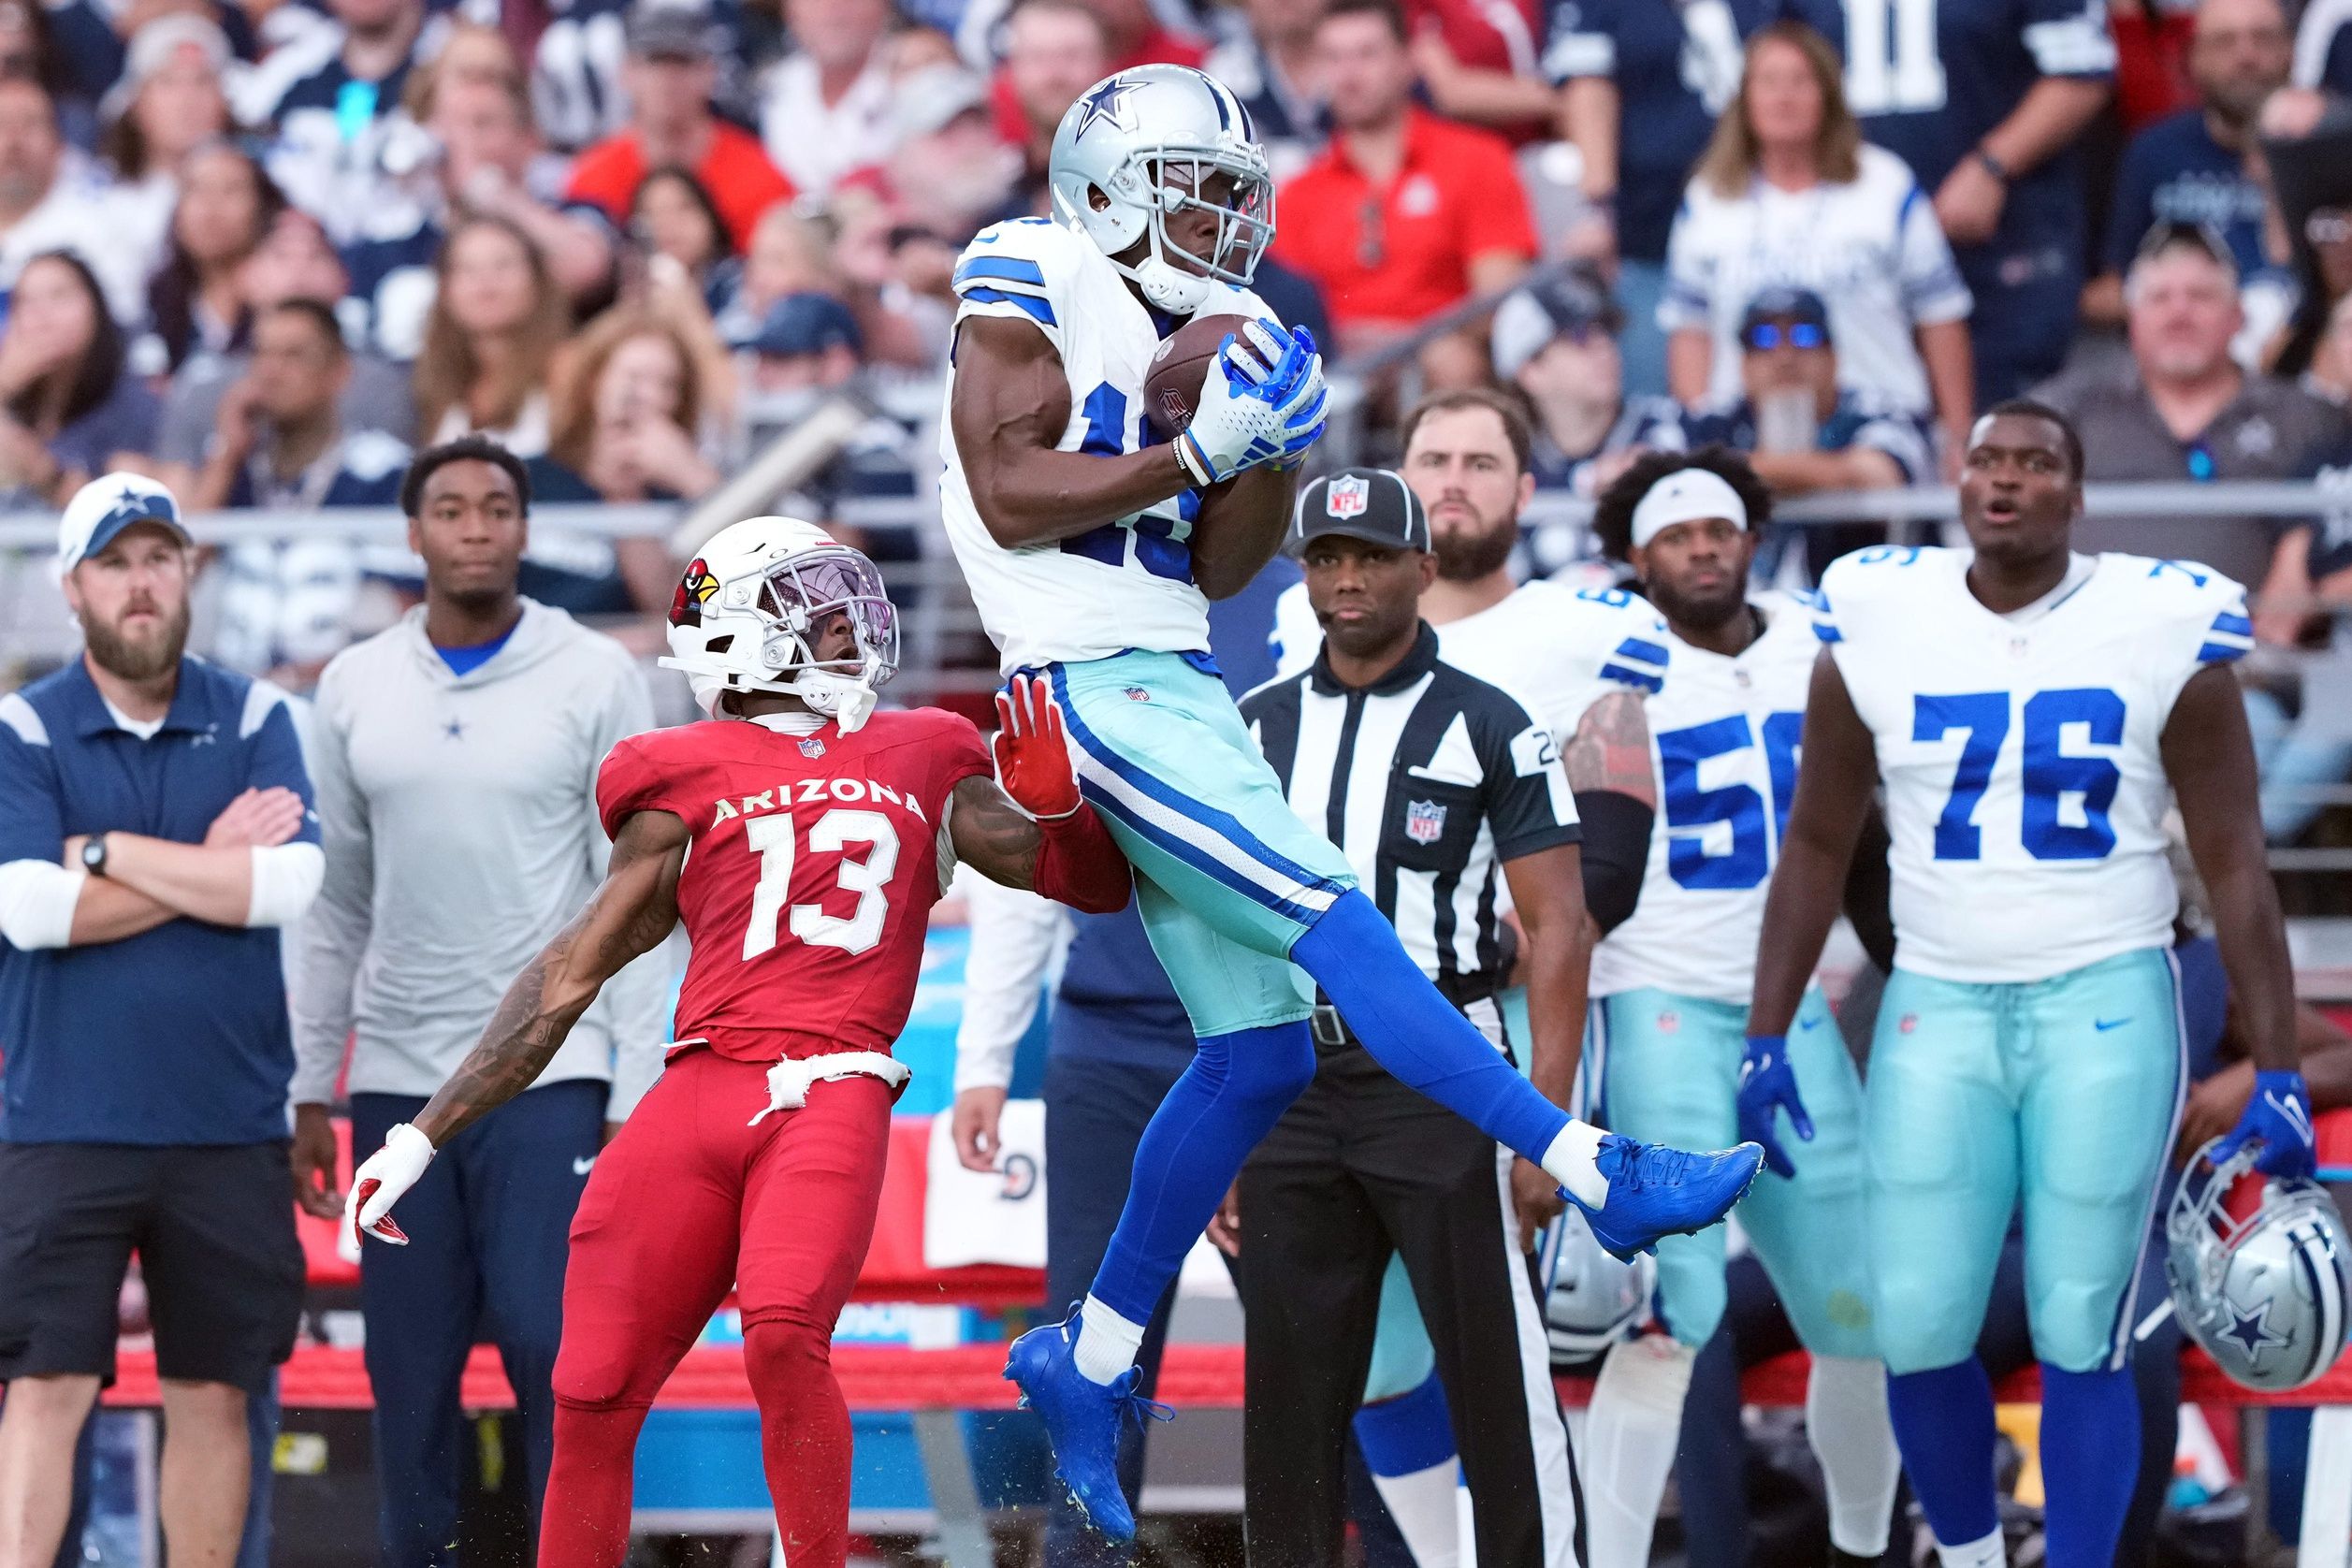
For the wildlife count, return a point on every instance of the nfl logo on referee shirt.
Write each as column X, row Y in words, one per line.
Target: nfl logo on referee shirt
column 1424, row 821
column 1346, row 496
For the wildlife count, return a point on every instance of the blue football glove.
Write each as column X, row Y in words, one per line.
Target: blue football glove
column 2279, row 1116
column 1767, row 1083
column 1261, row 403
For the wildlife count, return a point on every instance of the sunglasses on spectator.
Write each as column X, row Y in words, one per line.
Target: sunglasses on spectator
column 1766, row 335
column 2329, row 225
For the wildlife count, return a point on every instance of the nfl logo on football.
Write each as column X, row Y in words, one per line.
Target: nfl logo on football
column 1346, row 498
column 1424, row 821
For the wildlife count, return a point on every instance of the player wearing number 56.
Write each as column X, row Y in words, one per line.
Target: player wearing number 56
column 802, row 836
column 2032, row 713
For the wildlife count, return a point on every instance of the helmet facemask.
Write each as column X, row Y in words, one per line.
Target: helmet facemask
column 1172, row 277
column 794, row 607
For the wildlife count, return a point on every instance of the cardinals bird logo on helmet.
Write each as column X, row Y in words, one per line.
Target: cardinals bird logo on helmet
column 762, row 601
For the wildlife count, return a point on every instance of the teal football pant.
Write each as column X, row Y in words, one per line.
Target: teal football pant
column 1666, row 1070
column 2061, row 1095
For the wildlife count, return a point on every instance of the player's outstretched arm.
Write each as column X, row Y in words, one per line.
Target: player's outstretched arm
column 1027, row 827
column 628, row 915
column 1833, row 788
column 2209, row 757
column 1011, row 405
column 1071, row 860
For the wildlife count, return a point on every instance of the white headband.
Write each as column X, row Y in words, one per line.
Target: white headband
column 1685, row 496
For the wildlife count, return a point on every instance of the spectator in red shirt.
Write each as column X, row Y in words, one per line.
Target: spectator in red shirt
column 1478, row 63
column 672, row 70
column 1406, row 214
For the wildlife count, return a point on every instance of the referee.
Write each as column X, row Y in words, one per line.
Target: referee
column 1438, row 788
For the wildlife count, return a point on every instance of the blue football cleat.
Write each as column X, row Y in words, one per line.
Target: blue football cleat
column 1656, row 1191
column 1082, row 1419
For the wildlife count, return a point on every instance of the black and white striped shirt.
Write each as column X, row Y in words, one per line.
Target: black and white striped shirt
column 1429, row 780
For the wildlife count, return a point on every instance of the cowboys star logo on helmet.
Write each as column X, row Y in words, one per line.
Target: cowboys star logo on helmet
column 755, row 606
column 2268, row 1296
column 1347, row 496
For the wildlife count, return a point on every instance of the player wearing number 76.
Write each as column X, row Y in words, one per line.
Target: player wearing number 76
column 802, row 837
column 2032, row 713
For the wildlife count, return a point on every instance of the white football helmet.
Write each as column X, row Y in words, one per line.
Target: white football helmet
column 752, row 603
column 1595, row 1300
column 2265, row 1295
column 1148, row 140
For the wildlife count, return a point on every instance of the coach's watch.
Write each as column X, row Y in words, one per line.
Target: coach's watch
column 93, row 854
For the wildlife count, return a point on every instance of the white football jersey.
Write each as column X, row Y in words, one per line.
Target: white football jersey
column 1556, row 648
column 1127, row 584
column 1724, row 732
column 2025, row 792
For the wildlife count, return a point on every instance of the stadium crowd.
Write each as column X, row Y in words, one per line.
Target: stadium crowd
column 263, row 253
column 260, row 250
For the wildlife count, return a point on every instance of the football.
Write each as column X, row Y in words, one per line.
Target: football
column 1171, row 382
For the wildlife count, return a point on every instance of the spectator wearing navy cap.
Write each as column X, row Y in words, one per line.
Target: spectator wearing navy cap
column 1802, row 432
column 808, row 342
column 155, row 830
column 1557, row 341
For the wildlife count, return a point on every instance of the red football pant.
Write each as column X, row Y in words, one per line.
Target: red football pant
column 687, row 1202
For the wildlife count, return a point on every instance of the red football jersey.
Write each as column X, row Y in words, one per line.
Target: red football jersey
column 814, row 865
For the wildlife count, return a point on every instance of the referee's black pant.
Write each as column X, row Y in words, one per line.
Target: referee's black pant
column 1360, row 1167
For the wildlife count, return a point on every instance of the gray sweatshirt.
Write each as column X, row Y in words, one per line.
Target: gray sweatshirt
column 459, row 818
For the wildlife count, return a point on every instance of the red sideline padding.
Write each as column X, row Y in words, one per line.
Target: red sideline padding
column 970, row 1377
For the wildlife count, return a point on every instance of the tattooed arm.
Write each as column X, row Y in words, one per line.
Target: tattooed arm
column 1072, row 858
column 1617, row 800
column 1610, row 750
column 630, row 914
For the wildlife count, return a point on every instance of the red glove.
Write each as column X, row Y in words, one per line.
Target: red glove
column 1033, row 761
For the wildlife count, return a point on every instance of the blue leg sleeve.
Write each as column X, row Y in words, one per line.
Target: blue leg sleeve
column 1943, row 1423
column 1416, row 1033
column 1406, row 1436
column 1238, row 1086
column 2090, row 1457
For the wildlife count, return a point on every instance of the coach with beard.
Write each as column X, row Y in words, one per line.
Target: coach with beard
column 155, row 830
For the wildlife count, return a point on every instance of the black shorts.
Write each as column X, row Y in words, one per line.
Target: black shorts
column 213, row 1229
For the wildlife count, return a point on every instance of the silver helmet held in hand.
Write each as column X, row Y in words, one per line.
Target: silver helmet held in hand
column 1594, row 1300
column 2268, row 1297
column 1147, row 143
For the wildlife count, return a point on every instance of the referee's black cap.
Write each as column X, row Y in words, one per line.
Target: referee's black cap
column 1374, row 504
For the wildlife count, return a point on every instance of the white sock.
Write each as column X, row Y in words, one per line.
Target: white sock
column 1987, row 1553
column 1846, row 1417
column 1422, row 1503
column 1630, row 1436
column 1569, row 1161
column 1466, row 1526
column 1107, row 1342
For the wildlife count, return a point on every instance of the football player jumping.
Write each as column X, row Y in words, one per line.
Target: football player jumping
column 2031, row 712
column 1092, row 554
column 802, row 837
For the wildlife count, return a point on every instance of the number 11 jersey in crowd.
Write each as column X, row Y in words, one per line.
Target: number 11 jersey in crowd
column 2026, row 792
column 814, row 864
